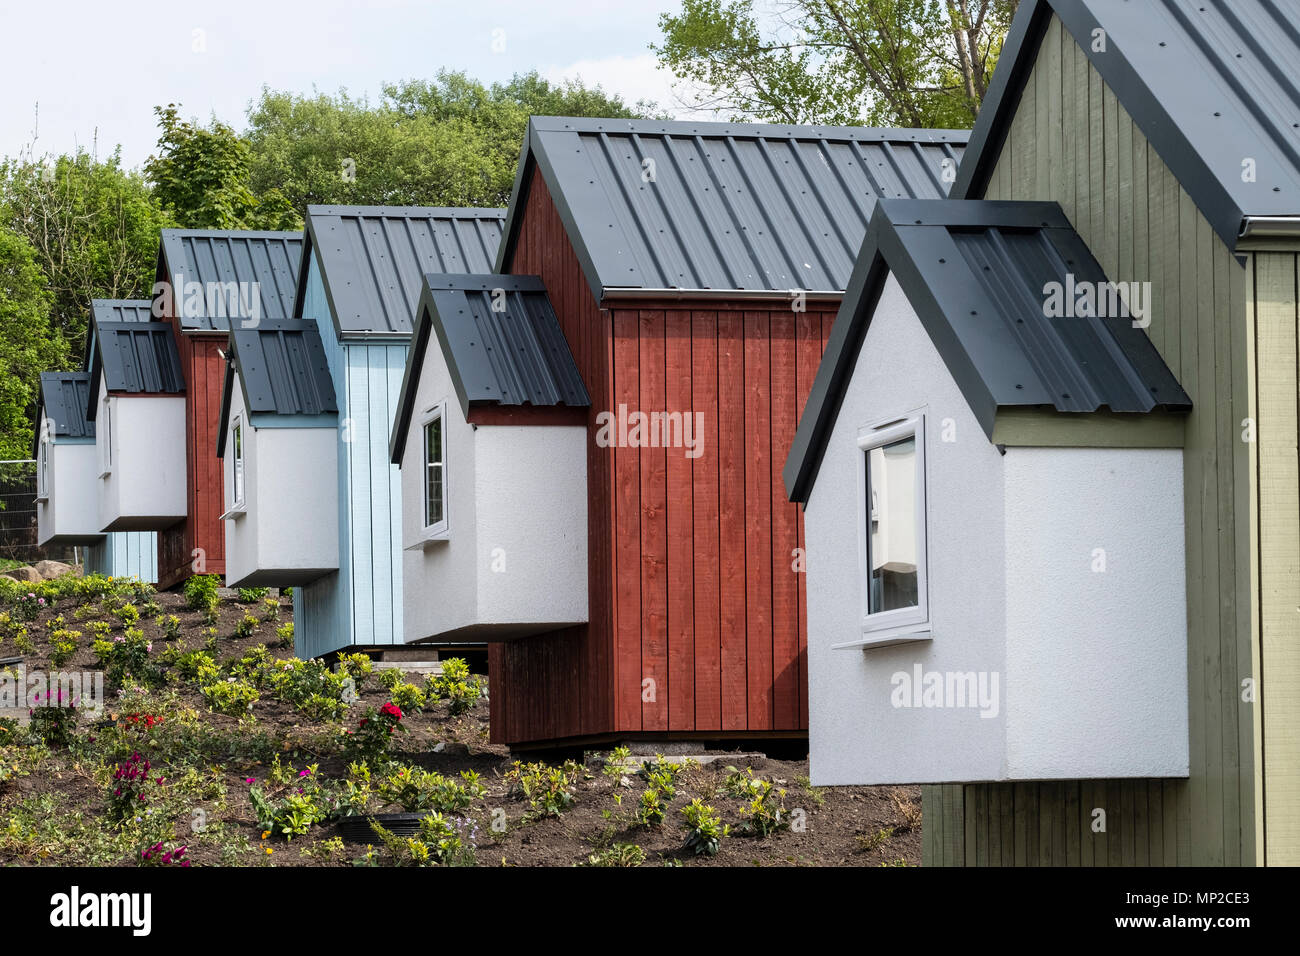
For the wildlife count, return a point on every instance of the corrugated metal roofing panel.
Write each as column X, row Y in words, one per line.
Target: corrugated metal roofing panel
column 263, row 265
column 122, row 310
column 374, row 258
column 977, row 274
column 724, row 206
column 63, row 398
column 136, row 358
column 1212, row 84
column 502, row 342
column 283, row 369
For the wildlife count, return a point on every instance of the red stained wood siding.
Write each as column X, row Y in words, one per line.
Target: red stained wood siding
column 693, row 583
column 202, row 530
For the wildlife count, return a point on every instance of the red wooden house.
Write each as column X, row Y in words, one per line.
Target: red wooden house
column 205, row 281
column 695, row 268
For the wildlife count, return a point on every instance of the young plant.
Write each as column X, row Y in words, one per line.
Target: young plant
column 247, row 626
column 619, row 854
column 374, row 734
column 704, row 828
column 548, row 790
column 408, row 697
column 126, row 658
column 201, row 591
column 54, row 720
column 284, row 635
column 232, row 697
column 252, row 595
column 133, row 783
column 63, row 644
column 455, row 685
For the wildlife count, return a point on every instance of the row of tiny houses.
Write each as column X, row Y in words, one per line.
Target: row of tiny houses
column 591, row 439
column 1050, row 461
column 310, row 498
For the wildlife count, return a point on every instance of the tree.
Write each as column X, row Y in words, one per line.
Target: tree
column 27, row 346
column 201, row 178
column 905, row 63
column 451, row 141
column 94, row 231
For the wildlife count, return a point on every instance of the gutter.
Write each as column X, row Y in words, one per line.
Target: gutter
column 768, row 295
column 1270, row 227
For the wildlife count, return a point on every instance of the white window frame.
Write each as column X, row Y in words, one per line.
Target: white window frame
column 437, row 530
column 104, row 429
column 900, row 625
column 43, row 465
column 238, row 472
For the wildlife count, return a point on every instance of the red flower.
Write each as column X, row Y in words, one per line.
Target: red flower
column 392, row 710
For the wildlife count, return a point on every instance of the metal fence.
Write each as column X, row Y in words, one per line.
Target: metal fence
column 18, row 516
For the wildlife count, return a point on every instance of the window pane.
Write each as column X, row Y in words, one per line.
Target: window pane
column 239, row 462
column 892, row 534
column 433, row 504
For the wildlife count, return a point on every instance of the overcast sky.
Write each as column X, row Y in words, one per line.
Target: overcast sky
column 100, row 66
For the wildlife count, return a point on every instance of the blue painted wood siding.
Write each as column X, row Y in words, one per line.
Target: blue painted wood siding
column 361, row 604
column 125, row 554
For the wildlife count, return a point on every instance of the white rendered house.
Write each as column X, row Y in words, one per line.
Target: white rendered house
column 67, row 507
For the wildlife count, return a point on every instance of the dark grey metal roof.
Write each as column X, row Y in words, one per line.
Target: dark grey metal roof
column 114, row 310
column 732, row 206
column 374, row 258
column 976, row 273
column 502, row 342
column 266, row 261
column 1210, row 83
column 64, row 397
column 282, row 369
column 135, row 358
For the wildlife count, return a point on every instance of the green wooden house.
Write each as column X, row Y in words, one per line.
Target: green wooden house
column 1169, row 133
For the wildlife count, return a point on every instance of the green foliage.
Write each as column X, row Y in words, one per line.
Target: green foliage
column 416, row 790
column 439, row 843
column 619, row 854
column 54, row 718
column 252, row 595
column 901, row 63
column 284, row 635
column 171, row 627
column 704, row 828
column 450, row 141
column 455, row 685
column 389, row 677
column 765, row 812
column 548, row 790
column 28, row 345
column 63, row 644
column 247, row 626
column 373, row 735
column 232, row 697
column 270, row 609
column 291, row 815
column 126, row 657
column 201, row 177
column 310, row 686
column 201, row 591
column 408, row 697
column 93, row 227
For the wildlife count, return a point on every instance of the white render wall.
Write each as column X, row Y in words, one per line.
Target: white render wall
column 145, row 489
column 288, row 533
column 70, row 513
column 516, row 499
column 1084, row 672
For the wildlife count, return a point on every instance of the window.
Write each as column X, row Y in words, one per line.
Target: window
column 43, row 466
column 237, row 444
column 892, row 533
column 435, row 473
column 105, row 428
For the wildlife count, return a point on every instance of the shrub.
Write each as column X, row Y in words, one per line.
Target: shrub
column 455, row 685
column 247, row 626
column 170, row 626
column 388, row 678
column 125, row 657
column 28, row 606
column 201, row 591
column 291, row 815
column 704, row 828
column 356, row 667
column 374, row 734
column 256, row 665
column 133, row 782
column 763, row 814
column 54, row 721
column 270, row 609
column 63, row 644
column 284, row 635
column 548, row 790
column 408, row 697
column 439, row 843
column 416, row 790
column 128, row 614
column 307, row 685
column 196, row 666
column 654, row 801
column 252, row 595
column 620, row 854
column 157, row 855
column 232, row 697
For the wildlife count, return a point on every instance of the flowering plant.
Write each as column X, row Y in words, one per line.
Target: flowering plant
column 156, row 855
column 132, row 782
column 374, row 733
column 28, row 606
column 54, row 719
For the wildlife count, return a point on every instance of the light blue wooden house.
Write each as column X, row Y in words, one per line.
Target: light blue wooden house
column 361, row 277
column 121, row 554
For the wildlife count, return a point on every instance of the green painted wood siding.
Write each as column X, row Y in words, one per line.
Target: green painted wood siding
column 1072, row 142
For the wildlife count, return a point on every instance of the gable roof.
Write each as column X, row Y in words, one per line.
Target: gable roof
column 976, row 273
column 266, row 261
column 732, row 206
column 374, row 259
column 63, row 397
column 114, row 310
column 1209, row 83
column 282, row 370
column 502, row 342
column 135, row 358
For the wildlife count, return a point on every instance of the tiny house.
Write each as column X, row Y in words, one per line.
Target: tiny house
column 361, row 275
column 491, row 440
column 695, row 269
column 207, row 282
column 67, row 502
column 129, row 554
column 136, row 399
column 1169, row 135
column 278, row 441
column 992, row 485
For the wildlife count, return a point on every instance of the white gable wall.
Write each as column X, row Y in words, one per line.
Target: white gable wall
column 70, row 512
column 1090, row 664
column 145, row 488
column 855, row 734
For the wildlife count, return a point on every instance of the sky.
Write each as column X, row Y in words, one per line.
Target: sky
column 97, row 69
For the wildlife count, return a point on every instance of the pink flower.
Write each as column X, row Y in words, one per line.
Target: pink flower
column 250, row 780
